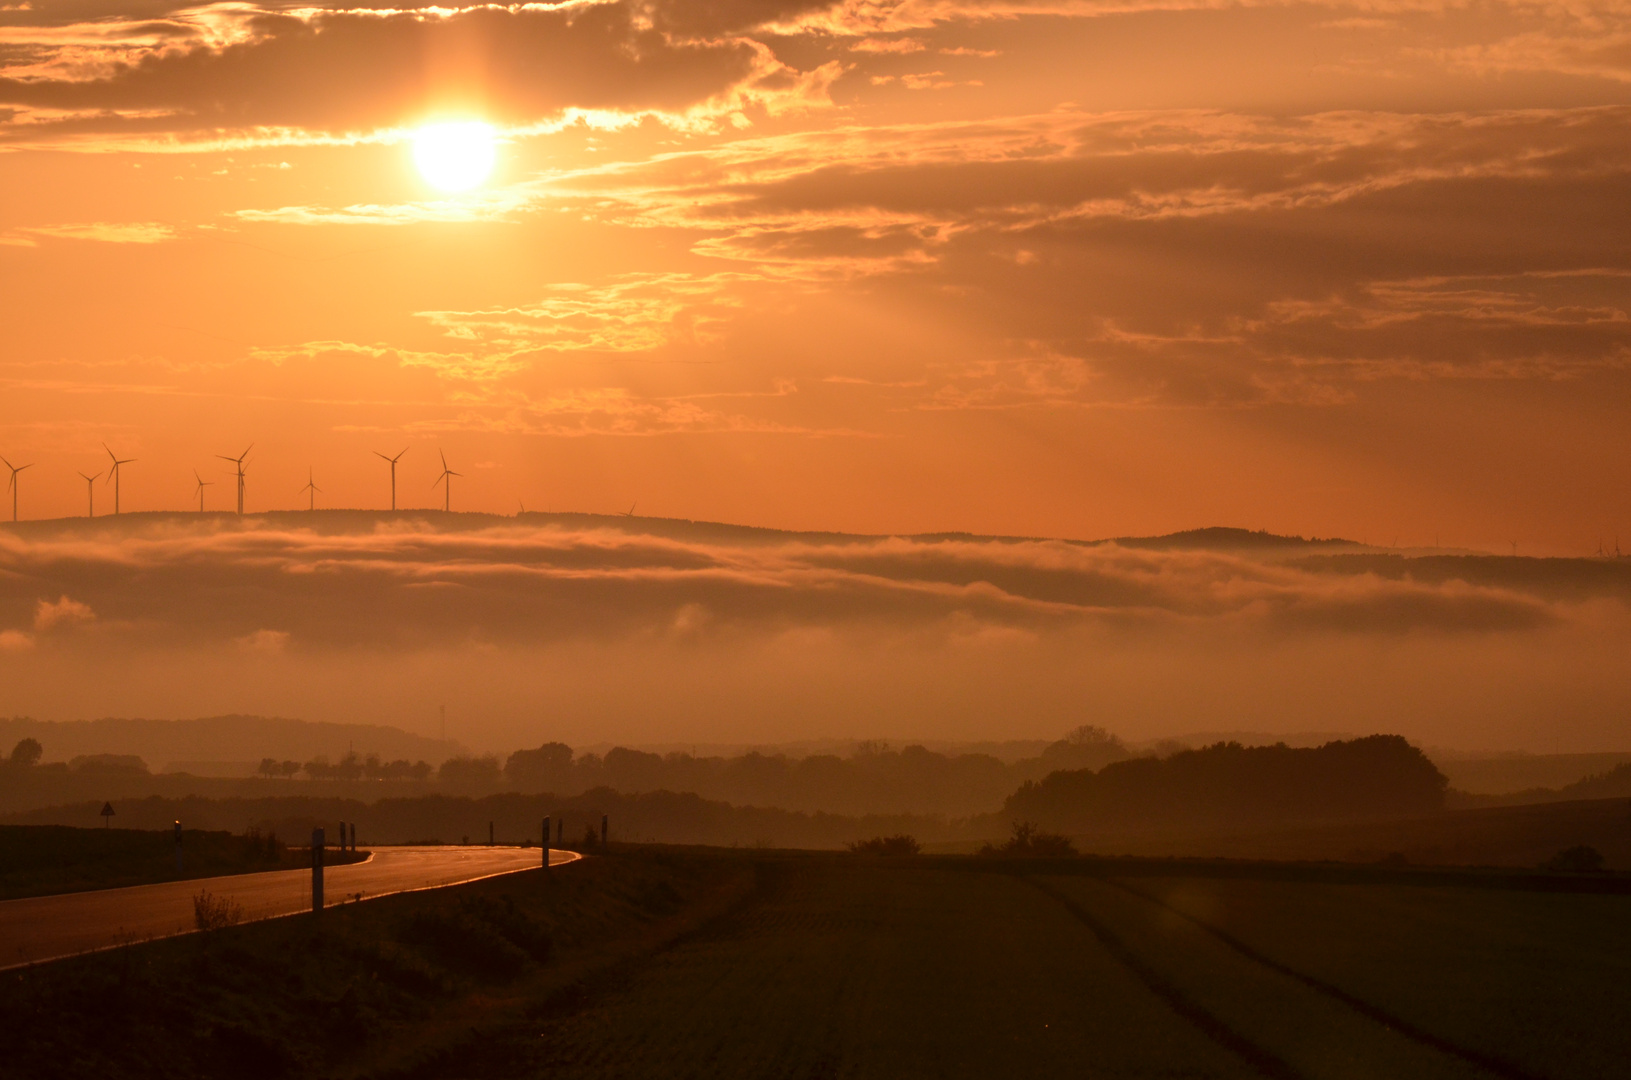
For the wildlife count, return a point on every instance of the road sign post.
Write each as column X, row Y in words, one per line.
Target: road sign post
column 107, row 815
column 317, row 870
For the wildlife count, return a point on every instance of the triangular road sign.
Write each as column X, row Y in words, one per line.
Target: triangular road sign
column 107, row 809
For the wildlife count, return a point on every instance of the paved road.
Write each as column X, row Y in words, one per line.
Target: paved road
column 48, row 927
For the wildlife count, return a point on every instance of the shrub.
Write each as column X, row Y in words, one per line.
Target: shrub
column 215, row 912
column 1576, row 860
column 1030, row 842
column 886, row 845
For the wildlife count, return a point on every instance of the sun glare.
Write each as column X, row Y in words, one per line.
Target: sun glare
column 455, row 156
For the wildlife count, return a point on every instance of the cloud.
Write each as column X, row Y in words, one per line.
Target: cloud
column 271, row 642
column 266, row 74
column 141, row 232
column 62, row 613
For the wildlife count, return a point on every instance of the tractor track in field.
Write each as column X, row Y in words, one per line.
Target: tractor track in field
column 1260, row 1057
column 1488, row 1062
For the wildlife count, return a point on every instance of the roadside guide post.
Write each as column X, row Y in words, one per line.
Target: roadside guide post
column 178, row 847
column 107, row 815
column 317, row 870
column 546, row 843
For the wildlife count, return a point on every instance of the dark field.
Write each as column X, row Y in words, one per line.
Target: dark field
column 722, row 964
column 44, row 860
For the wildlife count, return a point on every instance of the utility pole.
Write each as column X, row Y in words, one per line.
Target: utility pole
column 317, row 870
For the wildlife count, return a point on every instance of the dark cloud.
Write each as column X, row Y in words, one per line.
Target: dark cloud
column 349, row 71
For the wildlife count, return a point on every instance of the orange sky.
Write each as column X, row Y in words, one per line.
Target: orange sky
column 1055, row 268
column 1061, row 267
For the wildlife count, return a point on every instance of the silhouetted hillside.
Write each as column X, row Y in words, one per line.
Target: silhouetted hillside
column 231, row 738
column 1232, row 785
column 875, row 780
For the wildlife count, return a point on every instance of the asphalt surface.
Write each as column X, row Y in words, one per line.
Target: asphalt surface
column 50, row 927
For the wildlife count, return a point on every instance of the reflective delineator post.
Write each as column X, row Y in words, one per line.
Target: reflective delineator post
column 178, row 847
column 546, row 843
column 603, row 830
column 317, row 870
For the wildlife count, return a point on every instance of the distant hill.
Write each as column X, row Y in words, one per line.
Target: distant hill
column 219, row 739
column 333, row 522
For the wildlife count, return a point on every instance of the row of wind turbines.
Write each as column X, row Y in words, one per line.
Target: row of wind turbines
column 239, row 463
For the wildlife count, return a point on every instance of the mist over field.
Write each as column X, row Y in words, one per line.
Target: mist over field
column 597, row 630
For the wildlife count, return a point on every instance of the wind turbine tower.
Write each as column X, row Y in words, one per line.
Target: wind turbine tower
column 239, row 463
column 202, row 484
column 311, row 489
column 113, row 475
column 90, row 494
column 393, row 461
column 446, row 481
column 15, row 469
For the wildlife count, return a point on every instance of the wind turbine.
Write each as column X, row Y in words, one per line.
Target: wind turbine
column 113, row 475
column 311, row 486
column 202, row 484
column 447, row 491
column 631, row 509
column 15, row 469
column 90, row 494
column 393, row 461
column 239, row 462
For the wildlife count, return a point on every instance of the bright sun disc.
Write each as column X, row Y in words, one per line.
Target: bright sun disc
column 455, row 156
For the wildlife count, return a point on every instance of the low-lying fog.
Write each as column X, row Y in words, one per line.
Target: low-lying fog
column 602, row 630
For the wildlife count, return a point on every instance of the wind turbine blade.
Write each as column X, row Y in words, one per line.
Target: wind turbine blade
column 444, row 460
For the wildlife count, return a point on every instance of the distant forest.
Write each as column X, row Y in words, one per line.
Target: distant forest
column 1233, row 785
column 874, row 780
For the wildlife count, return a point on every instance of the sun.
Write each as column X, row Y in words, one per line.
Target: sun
column 457, row 155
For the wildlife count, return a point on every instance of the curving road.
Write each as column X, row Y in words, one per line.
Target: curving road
column 50, row 927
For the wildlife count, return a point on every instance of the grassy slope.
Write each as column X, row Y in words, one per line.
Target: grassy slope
column 375, row 985
column 45, row 860
column 719, row 964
